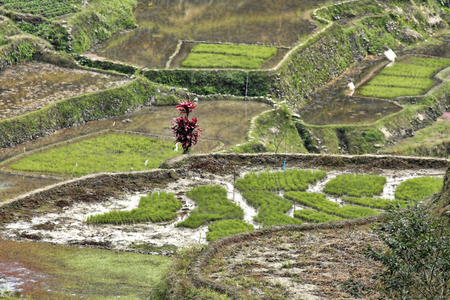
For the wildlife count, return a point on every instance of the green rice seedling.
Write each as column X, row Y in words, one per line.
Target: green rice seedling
column 155, row 207
column 427, row 62
column 408, row 70
column 213, row 205
column 357, row 185
column 399, row 81
column 418, row 189
column 380, row 203
column 319, row 202
column 250, row 51
column 225, row 228
column 211, row 60
column 383, row 92
column 106, row 153
column 272, row 208
column 289, row 180
column 314, row 216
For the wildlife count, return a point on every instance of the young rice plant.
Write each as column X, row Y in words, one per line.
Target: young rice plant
column 418, row 189
column 272, row 208
column 289, row 180
column 319, row 202
column 225, row 228
column 213, row 205
column 155, row 207
column 314, row 216
column 356, row 185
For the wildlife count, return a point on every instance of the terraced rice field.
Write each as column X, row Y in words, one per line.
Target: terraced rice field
column 409, row 77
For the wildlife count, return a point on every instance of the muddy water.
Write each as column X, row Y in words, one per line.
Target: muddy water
column 224, row 121
column 12, row 185
column 162, row 23
column 15, row 276
column 334, row 104
column 30, row 86
column 349, row 111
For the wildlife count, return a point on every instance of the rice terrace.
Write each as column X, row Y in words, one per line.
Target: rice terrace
column 224, row 149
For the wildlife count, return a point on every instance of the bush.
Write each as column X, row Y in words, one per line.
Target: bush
column 417, row 189
column 272, row 208
column 319, row 202
column 313, row 216
column 289, row 180
column 417, row 263
column 155, row 207
column 213, row 205
column 225, row 228
column 355, row 185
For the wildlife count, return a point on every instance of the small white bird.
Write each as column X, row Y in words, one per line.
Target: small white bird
column 351, row 86
column 146, row 162
column 176, row 147
column 114, row 124
column 390, row 55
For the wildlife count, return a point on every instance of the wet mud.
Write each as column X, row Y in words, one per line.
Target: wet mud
column 30, row 86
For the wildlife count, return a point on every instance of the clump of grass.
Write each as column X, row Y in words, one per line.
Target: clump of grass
column 418, row 189
column 225, row 228
column 313, row 216
column 106, row 153
column 289, row 180
column 155, row 207
column 250, row 51
column 272, row 208
column 406, row 78
column 355, row 185
column 319, row 202
column 380, row 203
column 213, row 205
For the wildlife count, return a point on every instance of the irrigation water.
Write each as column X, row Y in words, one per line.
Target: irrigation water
column 163, row 23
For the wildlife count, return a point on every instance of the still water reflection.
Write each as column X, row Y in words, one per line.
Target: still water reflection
column 163, row 22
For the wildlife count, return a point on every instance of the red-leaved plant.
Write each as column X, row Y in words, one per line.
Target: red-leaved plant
column 186, row 131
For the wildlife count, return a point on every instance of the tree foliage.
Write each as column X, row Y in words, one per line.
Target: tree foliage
column 186, row 131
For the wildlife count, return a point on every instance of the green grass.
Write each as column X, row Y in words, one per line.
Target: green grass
column 87, row 273
column 272, row 208
column 211, row 60
column 409, row 77
column 319, row 202
column 418, row 189
column 313, row 216
column 289, row 180
column 213, row 205
column 250, row 51
column 225, row 228
column 355, row 185
column 155, row 207
column 107, row 153
column 380, row 203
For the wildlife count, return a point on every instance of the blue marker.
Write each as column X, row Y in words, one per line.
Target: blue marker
column 285, row 164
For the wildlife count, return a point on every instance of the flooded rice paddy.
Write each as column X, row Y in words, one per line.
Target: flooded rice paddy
column 30, row 86
column 224, row 124
column 163, row 23
column 69, row 227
